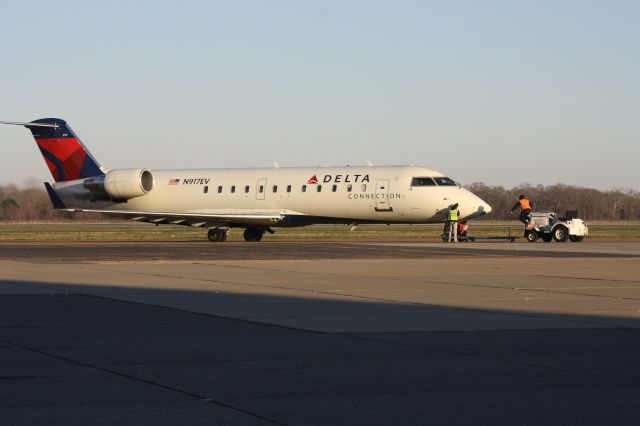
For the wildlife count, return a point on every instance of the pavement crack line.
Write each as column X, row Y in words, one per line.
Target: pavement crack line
column 141, row 380
column 633, row 382
column 384, row 341
column 383, row 300
column 425, row 281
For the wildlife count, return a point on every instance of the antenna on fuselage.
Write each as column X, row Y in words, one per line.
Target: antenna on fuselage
column 369, row 163
column 275, row 164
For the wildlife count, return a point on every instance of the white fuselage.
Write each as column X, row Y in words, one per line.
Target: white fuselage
column 380, row 194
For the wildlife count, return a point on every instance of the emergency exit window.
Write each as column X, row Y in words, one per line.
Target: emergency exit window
column 261, row 189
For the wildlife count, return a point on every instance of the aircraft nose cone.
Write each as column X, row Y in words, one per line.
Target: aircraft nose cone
column 479, row 207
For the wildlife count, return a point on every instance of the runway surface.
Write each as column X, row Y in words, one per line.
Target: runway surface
column 319, row 333
column 204, row 250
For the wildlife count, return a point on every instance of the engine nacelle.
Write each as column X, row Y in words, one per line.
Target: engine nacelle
column 122, row 184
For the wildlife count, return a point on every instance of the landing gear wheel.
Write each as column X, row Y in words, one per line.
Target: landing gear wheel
column 445, row 233
column 547, row 238
column 253, row 234
column 217, row 235
column 560, row 234
column 532, row 236
column 576, row 238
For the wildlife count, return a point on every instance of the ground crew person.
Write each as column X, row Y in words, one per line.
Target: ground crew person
column 463, row 229
column 453, row 223
column 525, row 207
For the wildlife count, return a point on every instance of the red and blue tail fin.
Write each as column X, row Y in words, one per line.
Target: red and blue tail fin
column 64, row 153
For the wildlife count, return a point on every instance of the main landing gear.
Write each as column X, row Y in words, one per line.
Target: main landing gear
column 217, row 235
column 255, row 233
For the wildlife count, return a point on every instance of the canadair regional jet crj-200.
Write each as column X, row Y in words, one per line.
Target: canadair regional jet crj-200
column 254, row 199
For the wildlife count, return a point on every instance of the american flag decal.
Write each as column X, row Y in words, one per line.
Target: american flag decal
column 174, row 181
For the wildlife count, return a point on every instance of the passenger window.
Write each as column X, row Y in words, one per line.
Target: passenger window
column 261, row 189
column 288, row 188
column 275, row 188
column 445, row 181
column 422, row 181
column 364, row 187
column 246, row 189
column 219, row 189
column 206, row 189
column 319, row 188
column 334, row 188
column 349, row 188
column 233, row 189
column 304, row 188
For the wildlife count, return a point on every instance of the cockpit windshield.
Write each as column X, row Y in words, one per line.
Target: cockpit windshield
column 422, row 181
column 445, row 181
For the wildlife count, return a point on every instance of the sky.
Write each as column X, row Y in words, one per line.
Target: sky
column 500, row 92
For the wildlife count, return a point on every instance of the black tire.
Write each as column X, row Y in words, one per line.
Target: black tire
column 217, row 235
column 560, row 234
column 547, row 238
column 532, row 236
column 249, row 235
column 213, row 235
column 576, row 238
column 253, row 234
column 445, row 233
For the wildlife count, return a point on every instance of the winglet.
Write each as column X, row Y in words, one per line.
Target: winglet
column 57, row 202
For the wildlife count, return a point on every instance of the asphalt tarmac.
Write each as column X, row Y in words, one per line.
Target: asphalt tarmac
column 319, row 333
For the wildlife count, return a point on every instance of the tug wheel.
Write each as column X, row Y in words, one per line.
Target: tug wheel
column 560, row 234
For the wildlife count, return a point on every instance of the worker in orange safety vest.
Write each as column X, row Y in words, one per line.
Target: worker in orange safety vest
column 525, row 207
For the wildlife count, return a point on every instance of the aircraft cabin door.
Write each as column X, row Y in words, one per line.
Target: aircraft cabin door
column 261, row 188
column 382, row 196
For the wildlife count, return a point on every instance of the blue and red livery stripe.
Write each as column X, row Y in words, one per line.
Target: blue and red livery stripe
column 64, row 153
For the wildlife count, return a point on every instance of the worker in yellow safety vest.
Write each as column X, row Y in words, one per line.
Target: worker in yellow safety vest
column 525, row 207
column 453, row 223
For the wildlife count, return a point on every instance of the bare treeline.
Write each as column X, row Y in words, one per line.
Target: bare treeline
column 33, row 205
column 591, row 204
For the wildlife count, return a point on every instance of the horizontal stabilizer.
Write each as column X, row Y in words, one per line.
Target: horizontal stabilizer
column 57, row 202
column 29, row 125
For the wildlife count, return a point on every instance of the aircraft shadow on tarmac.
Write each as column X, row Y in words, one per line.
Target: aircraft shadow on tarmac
column 81, row 353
